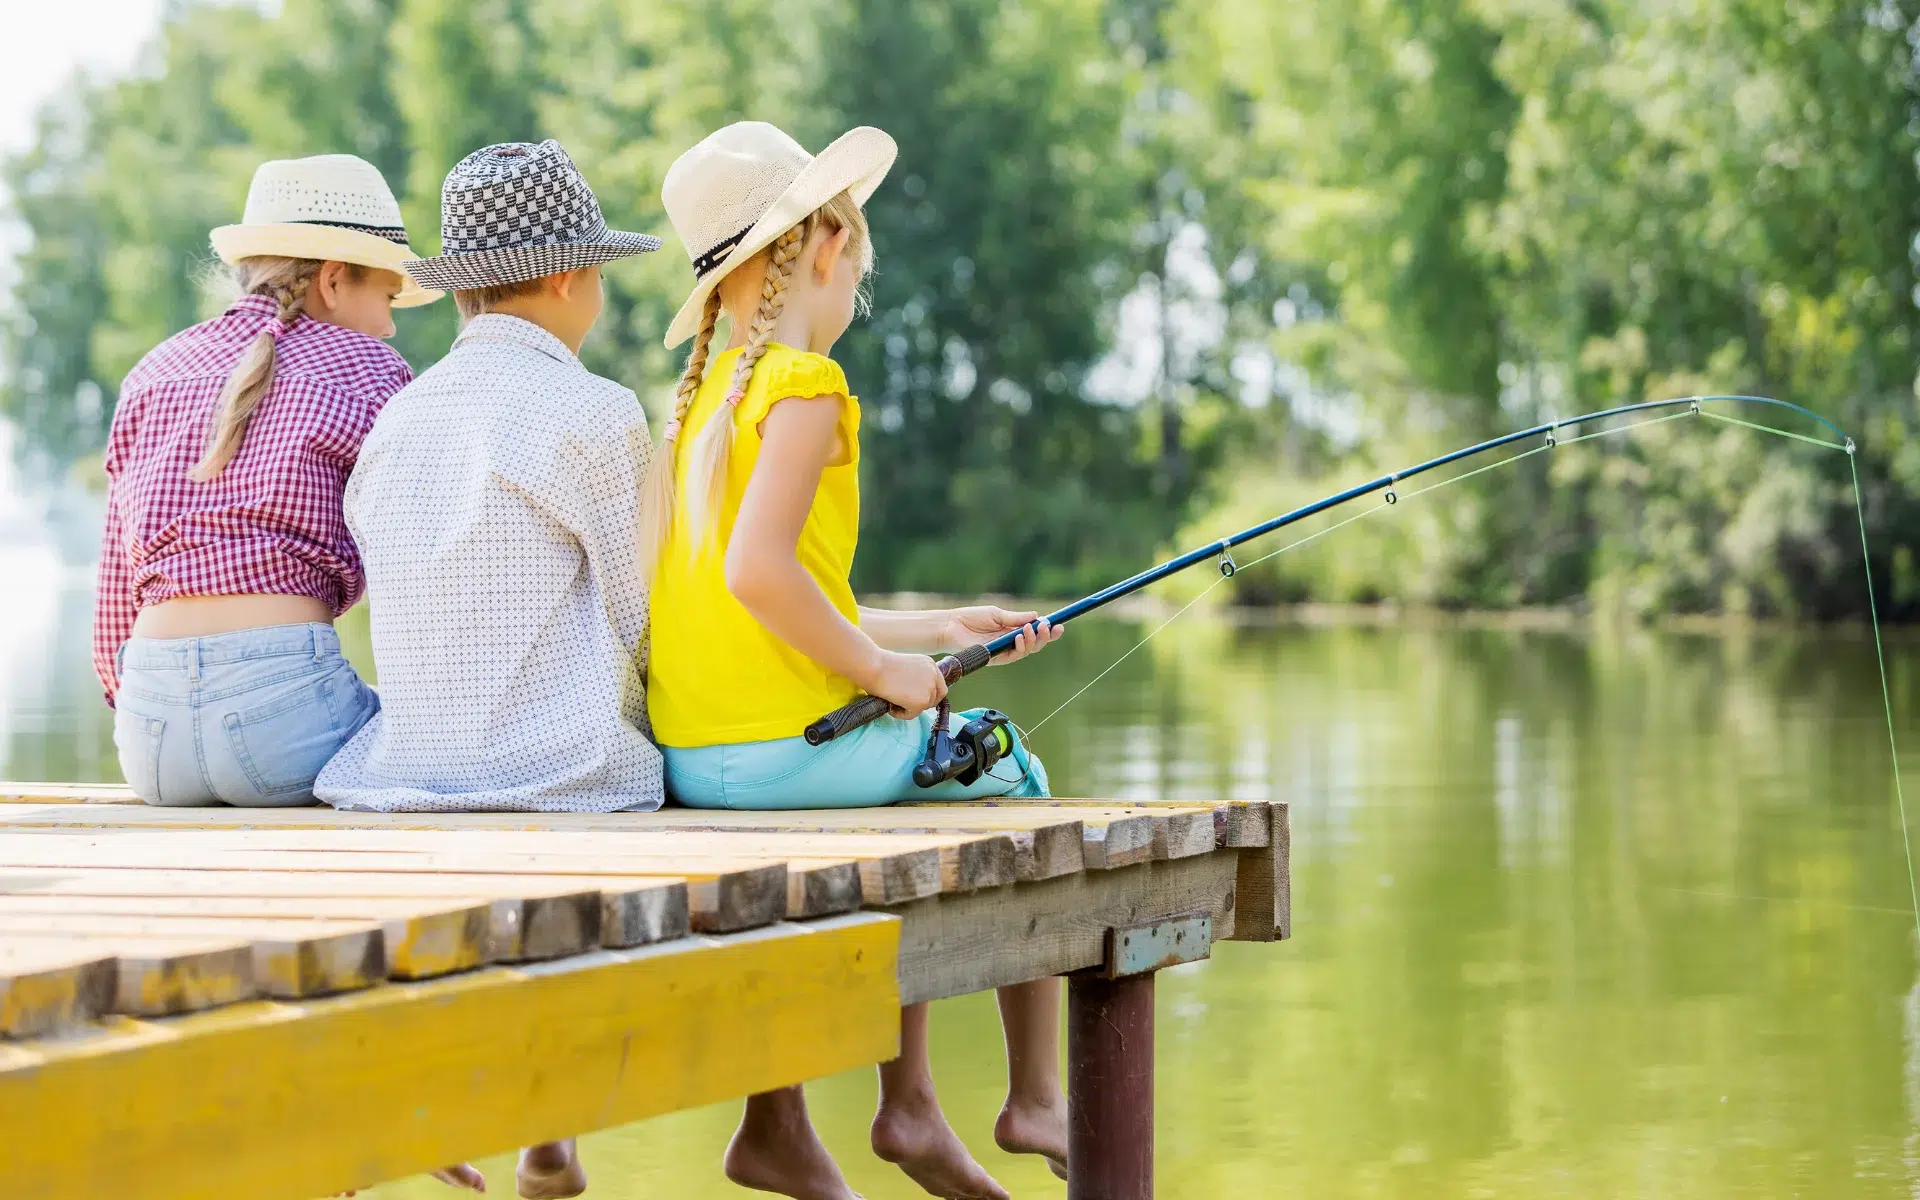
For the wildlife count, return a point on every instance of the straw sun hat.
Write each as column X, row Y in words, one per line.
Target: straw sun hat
column 730, row 196
column 331, row 207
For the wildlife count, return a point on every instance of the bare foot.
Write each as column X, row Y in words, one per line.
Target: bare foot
column 551, row 1171
column 1035, row 1128
column 461, row 1175
column 915, row 1137
column 776, row 1150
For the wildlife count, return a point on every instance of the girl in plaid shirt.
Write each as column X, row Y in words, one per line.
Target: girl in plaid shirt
column 226, row 556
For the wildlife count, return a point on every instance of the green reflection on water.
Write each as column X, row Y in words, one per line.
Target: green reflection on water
column 1576, row 915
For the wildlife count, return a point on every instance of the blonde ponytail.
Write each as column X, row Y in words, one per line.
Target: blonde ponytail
column 656, row 501
column 286, row 280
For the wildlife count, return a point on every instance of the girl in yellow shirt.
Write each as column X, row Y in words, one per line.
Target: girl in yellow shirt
column 750, row 523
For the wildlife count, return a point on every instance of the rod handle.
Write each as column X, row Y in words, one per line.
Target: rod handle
column 865, row 709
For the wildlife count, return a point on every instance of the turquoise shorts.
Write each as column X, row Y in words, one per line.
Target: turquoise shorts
column 868, row 768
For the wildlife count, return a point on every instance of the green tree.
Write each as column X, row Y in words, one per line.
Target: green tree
column 998, row 235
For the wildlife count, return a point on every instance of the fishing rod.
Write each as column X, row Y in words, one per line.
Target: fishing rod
column 955, row 667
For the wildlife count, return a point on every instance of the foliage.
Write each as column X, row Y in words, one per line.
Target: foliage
column 1152, row 268
column 1528, row 210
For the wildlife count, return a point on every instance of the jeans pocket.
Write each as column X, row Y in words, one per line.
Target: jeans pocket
column 137, row 739
column 283, row 743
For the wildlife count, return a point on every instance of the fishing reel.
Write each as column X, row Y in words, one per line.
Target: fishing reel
column 967, row 755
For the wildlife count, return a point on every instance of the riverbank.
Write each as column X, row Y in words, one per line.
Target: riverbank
column 1562, row 620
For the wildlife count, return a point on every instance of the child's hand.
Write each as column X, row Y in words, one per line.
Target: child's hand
column 909, row 682
column 971, row 626
column 1035, row 636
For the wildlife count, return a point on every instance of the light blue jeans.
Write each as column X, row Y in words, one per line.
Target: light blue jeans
column 868, row 768
column 244, row 718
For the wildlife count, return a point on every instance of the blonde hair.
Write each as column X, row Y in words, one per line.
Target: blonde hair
column 285, row 280
column 474, row 302
column 707, row 473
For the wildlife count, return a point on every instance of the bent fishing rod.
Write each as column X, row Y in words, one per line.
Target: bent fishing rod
column 955, row 667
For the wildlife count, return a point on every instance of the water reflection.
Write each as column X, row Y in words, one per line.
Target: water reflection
column 1577, row 914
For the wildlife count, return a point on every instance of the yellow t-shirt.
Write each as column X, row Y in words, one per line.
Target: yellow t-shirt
column 716, row 676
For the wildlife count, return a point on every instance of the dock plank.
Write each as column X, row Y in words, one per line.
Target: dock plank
column 154, row 976
column 634, row 911
column 816, row 886
column 1046, row 842
column 701, row 844
column 1243, row 824
column 423, row 937
column 1237, row 823
column 391, row 1081
column 742, row 892
column 892, row 868
column 1264, row 884
column 1107, row 839
column 47, row 987
column 293, row 958
column 751, row 840
column 1171, row 830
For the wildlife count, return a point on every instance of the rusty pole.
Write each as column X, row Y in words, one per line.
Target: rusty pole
column 1110, row 1087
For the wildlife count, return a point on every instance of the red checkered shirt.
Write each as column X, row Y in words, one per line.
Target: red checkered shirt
column 271, row 523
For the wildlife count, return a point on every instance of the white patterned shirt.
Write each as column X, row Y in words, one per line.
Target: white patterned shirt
column 495, row 505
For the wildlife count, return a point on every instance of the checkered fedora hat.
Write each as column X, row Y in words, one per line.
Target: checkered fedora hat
column 517, row 211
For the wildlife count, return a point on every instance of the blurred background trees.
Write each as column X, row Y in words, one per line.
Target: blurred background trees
column 1148, row 268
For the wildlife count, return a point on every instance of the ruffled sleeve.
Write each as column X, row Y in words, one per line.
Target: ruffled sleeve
column 784, row 373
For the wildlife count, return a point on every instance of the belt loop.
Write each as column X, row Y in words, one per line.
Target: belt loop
column 193, row 661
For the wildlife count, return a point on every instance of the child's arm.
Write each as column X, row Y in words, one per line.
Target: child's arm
column 763, row 566
column 954, row 629
column 895, row 629
column 113, row 608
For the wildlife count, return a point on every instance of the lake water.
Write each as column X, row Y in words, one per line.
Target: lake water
column 1603, row 913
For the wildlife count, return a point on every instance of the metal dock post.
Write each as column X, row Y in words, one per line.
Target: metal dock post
column 1110, row 1057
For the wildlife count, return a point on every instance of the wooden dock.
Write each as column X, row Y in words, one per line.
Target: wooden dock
column 292, row 1002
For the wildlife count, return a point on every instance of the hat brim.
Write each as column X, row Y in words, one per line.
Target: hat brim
column 327, row 243
column 856, row 162
column 517, row 264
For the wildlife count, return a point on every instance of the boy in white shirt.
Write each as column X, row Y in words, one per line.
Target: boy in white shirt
column 495, row 504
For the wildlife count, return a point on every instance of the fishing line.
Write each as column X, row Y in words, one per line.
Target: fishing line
column 1799, row 437
column 1802, row 901
column 1143, row 641
column 1886, row 693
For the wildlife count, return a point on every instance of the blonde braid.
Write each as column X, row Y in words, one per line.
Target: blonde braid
column 286, row 281
column 773, row 298
column 707, row 476
column 657, row 494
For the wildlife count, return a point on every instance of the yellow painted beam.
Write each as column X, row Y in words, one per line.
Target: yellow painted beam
column 292, row 1101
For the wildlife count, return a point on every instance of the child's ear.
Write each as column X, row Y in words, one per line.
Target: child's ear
column 327, row 283
column 827, row 257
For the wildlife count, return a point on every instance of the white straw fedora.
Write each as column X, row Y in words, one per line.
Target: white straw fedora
column 332, row 207
column 518, row 211
column 730, row 196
